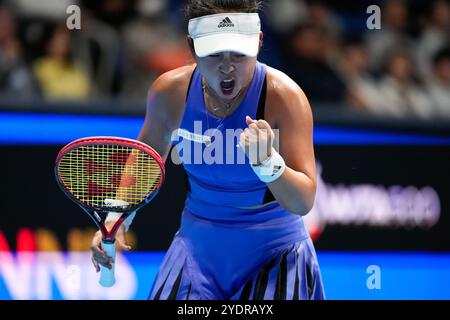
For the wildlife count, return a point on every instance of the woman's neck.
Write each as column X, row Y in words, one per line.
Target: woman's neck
column 220, row 107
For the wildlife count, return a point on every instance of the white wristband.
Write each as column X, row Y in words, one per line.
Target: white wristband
column 271, row 169
column 114, row 216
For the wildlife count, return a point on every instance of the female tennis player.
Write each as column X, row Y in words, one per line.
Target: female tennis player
column 242, row 234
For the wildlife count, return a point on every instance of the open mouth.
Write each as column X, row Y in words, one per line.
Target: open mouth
column 227, row 86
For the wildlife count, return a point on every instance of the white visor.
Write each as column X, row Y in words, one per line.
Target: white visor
column 237, row 32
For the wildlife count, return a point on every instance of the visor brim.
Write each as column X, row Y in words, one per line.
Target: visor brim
column 221, row 42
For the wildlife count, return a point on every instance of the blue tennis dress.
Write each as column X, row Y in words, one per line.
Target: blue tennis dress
column 235, row 240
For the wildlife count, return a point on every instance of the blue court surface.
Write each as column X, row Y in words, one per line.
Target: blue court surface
column 361, row 276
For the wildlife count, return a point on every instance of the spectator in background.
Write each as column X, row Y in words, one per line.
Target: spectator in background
column 152, row 46
column 435, row 36
column 393, row 33
column 307, row 64
column 320, row 16
column 115, row 13
column 98, row 46
column 280, row 18
column 439, row 86
column 402, row 96
column 286, row 15
column 16, row 80
column 59, row 76
column 354, row 69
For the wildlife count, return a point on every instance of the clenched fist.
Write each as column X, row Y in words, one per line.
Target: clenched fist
column 257, row 140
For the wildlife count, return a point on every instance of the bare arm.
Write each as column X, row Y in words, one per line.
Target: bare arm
column 155, row 131
column 290, row 112
column 295, row 189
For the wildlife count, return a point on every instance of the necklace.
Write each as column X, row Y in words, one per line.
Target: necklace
column 228, row 106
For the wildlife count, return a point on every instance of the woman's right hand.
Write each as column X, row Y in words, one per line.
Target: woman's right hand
column 99, row 256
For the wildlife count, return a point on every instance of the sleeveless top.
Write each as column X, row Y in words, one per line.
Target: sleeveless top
column 222, row 185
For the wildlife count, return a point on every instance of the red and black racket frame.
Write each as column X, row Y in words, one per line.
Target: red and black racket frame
column 93, row 212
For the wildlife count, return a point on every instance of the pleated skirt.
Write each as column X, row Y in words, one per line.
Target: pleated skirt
column 292, row 273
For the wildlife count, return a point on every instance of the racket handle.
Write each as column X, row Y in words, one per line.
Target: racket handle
column 107, row 278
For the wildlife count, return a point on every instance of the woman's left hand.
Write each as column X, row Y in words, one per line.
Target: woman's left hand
column 257, row 140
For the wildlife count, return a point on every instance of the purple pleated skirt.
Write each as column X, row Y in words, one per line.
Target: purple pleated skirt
column 218, row 261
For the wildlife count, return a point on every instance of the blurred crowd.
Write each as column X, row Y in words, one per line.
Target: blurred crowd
column 400, row 70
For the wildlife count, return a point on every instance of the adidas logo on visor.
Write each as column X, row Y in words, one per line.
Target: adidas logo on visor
column 226, row 23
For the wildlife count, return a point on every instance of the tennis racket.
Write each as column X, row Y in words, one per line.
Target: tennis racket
column 103, row 174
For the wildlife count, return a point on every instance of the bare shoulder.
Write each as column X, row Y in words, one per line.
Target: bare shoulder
column 173, row 81
column 285, row 98
column 167, row 93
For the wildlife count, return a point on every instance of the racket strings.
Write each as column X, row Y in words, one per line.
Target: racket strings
column 94, row 173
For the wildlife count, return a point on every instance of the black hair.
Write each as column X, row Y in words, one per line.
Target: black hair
column 441, row 55
column 199, row 8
